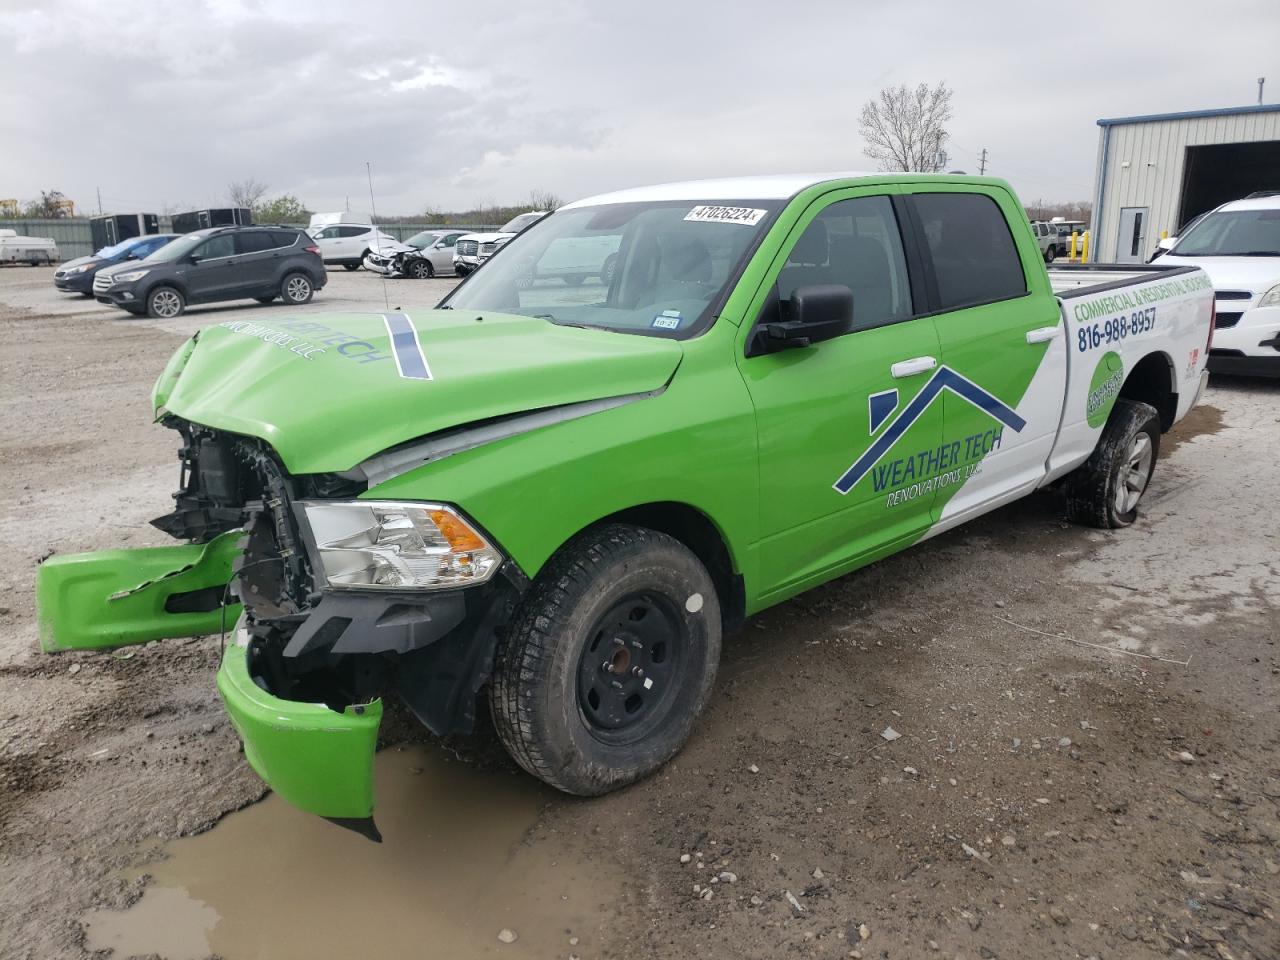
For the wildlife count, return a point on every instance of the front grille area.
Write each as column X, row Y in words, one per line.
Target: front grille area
column 1233, row 295
column 1227, row 320
column 468, row 248
column 101, row 284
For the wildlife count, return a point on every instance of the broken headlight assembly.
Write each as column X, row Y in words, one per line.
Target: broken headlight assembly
column 385, row 545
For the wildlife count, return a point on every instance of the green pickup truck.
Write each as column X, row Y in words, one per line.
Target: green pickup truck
column 557, row 493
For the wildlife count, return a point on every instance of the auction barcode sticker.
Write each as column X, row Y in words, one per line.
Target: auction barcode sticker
column 748, row 216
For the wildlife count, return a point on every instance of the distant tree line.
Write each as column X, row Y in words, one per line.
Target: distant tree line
column 1074, row 210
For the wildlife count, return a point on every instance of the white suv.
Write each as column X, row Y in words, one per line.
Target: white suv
column 1238, row 245
column 473, row 249
column 348, row 243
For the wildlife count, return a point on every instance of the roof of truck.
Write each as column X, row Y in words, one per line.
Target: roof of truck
column 778, row 186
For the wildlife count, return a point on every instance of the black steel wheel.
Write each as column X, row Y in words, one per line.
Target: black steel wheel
column 609, row 660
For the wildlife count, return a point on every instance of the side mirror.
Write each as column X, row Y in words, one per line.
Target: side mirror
column 821, row 312
column 193, row 259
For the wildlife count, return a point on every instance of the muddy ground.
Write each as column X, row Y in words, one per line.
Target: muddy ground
column 1089, row 761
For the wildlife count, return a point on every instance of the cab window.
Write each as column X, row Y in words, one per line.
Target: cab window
column 855, row 243
column 222, row 245
column 974, row 257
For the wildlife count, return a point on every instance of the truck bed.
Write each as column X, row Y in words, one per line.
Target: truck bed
column 1080, row 279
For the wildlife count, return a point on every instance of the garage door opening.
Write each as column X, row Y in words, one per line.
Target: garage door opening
column 1227, row 171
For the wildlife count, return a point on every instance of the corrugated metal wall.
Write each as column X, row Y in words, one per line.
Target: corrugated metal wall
column 1155, row 152
column 73, row 238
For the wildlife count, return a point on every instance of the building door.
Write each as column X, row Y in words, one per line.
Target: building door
column 1131, row 247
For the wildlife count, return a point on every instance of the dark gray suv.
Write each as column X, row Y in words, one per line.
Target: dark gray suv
column 221, row 263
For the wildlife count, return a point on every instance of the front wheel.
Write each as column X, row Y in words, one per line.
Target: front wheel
column 165, row 303
column 1050, row 255
column 1105, row 491
column 296, row 288
column 419, row 269
column 609, row 660
column 350, row 265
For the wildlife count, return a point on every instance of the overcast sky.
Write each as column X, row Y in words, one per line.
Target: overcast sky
column 475, row 100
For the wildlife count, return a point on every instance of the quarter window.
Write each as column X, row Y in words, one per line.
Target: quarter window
column 974, row 256
column 855, row 243
column 255, row 241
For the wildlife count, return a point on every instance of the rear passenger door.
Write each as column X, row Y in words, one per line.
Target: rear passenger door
column 1003, row 373
column 259, row 257
column 846, row 449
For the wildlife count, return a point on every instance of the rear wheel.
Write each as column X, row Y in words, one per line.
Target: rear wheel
column 573, row 279
column 419, row 269
column 1105, row 491
column 609, row 661
column 165, row 303
column 606, row 270
column 265, row 299
column 296, row 288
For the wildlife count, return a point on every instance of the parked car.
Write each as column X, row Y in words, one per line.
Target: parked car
column 566, row 500
column 33, row 251
column 77, row 276
column 345, row 239
column 473, row 249
column 1238, row 246
column 221, row 263
column 429, row 254
column 1064, row 229
column 1046, row 235
column 1165, row 244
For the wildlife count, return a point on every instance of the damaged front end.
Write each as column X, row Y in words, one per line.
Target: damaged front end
column 335, row 601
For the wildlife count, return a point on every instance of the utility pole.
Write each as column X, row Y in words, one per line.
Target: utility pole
column 1261, row 81
column 99, row 189
column 982, row 163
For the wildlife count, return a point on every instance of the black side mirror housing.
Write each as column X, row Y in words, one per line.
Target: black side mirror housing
column 819, row 312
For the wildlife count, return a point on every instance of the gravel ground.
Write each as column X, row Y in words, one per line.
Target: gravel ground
column 1089, row 759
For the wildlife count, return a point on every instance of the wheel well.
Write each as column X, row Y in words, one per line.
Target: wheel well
column 696, row 531
column 1151, row 381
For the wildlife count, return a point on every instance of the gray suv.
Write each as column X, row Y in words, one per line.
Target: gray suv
column 221, row 263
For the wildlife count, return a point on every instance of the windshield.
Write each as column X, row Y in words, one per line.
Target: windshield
column 423, row 240
column 118, row 248
column 178, row 249
column 519, row 223
column 1233, row 233
column 656, row 268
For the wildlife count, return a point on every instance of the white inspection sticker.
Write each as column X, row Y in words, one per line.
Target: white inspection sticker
column 747, row 216
column 668, row 320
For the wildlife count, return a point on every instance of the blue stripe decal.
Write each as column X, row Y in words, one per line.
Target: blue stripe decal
column 944, row 379
column 405, row 347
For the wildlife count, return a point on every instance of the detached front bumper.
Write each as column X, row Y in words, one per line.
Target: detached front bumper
column 318, row 759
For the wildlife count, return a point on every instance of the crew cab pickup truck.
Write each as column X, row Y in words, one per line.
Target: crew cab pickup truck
column 558, row 497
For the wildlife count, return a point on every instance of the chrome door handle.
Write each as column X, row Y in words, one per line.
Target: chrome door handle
column 909, row 368
column 1041, row 334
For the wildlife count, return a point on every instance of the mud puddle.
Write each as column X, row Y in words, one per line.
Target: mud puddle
column 460, row 862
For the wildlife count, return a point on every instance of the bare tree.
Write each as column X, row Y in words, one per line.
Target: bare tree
column 544, row 200
column 246, row 193
column 905, row 129
column 51, row 205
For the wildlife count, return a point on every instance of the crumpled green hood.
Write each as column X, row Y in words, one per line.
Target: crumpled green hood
column 327, row 392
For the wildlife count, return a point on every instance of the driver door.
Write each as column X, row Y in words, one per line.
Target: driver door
column 849, row 435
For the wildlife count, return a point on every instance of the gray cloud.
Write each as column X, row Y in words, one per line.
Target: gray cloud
column 461, row 102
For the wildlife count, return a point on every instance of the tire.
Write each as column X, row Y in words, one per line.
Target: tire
column 266, row 299
column 573, row 279
column 1050, row 255
column 580, row 709
column 296, row 289
column 418, row 269
column 165, row 303
column 349, row 265
column 606, row 270
column 1105, row 491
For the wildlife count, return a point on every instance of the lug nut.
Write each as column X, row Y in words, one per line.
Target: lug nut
column 636, row 671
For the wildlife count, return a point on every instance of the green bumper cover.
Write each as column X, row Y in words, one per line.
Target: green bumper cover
column 320, row 760
column 112, row 598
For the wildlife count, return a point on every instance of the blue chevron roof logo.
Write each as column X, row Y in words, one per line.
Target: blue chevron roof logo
column 944, row 379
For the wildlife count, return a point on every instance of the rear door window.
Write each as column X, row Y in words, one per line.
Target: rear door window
column 255, row 241
column 972, row 251
column 353, row 231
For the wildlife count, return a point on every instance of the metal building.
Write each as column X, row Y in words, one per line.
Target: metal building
column 1157, row 172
